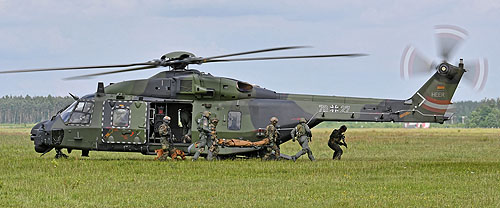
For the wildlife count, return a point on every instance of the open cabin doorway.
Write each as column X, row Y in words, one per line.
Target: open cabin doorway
column 180, row 120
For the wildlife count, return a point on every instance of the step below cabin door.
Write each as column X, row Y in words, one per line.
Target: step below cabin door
column 124, row 122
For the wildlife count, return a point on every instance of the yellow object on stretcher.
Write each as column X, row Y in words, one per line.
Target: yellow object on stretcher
column 242, row 143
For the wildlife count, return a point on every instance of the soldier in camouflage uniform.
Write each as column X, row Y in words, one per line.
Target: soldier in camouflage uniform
column 337, row 138
column 166, row 139
column 303, row 134
column 273, row 135
column 203, row 128
column 214, row 149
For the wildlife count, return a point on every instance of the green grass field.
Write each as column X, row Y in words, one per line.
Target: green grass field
column 381, row 168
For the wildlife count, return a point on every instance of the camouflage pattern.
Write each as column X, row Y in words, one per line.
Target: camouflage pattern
column 204, row 130
column 166, row 136
column 213, row 151
column 273, row 135
column 303, row 135
column 248, row 106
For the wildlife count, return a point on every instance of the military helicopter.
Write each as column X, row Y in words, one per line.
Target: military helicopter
column 124, row 116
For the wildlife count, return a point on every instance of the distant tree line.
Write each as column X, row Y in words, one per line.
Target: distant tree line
column 27, row 109
column 486, row 115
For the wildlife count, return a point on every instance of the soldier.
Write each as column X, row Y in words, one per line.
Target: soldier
column 337, row 138
column 303, row 134
column 204, row 130
column 273, row 135
column 185, row 124
column 214, row 149
column 166, row 139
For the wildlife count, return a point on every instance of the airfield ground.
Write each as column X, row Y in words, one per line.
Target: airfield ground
column 381, row 168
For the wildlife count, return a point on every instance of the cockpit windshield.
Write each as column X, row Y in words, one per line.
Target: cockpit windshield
column 67, row 112
column 78, row 112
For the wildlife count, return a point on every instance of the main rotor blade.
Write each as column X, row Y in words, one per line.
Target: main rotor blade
column 477, row 73
column 257, row 51
column 287, row 57
column 77, row 67
column 413, row 62
column 110, row 72
column 448, row 38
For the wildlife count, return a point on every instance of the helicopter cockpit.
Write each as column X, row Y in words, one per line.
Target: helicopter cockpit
column 78, row 113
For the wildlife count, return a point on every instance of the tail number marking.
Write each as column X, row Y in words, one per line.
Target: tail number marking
column 334, row 108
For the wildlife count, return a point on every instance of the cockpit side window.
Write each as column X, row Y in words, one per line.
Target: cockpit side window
column 81, row 114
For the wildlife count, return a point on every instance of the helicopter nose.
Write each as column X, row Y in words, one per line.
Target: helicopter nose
column 41, row 137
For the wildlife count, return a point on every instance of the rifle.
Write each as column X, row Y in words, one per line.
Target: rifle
column 343, row 141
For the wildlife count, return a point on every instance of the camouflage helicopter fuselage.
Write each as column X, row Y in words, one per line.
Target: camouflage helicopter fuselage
column 122, row 116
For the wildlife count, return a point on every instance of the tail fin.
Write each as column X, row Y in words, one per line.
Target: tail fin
column 434, row 98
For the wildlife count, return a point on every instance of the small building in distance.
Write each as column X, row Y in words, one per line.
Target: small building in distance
column 417, row 125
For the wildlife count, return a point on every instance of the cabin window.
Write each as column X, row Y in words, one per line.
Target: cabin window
column 81, row 113
column 234, row 120
column 186, row 85
column 121, row 117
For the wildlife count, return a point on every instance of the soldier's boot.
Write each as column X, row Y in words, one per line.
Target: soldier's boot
column 59, row 154
column 266, row 156
column 277, row 154
column 196, row 155
column 310, row 155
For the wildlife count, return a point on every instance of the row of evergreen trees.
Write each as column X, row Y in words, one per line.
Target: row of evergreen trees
column 27, row 109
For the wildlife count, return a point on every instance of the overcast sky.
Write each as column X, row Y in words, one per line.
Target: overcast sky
column 45, row 33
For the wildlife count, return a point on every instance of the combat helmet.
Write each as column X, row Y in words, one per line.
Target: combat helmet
column 302, row 120
column 166, row 119
column 206, row 113
column 343, row 128
column 273, row 120
column 215, row 120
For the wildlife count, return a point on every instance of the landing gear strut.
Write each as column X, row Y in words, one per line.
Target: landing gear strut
column 59, row 154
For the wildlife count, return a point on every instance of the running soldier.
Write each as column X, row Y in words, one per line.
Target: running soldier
column 304, row 135
column 203, row 128
column 337, row 138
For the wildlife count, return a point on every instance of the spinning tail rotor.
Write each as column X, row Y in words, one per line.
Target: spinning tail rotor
column 449, row 38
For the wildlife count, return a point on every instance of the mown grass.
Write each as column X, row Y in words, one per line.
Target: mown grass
column 381, row 168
